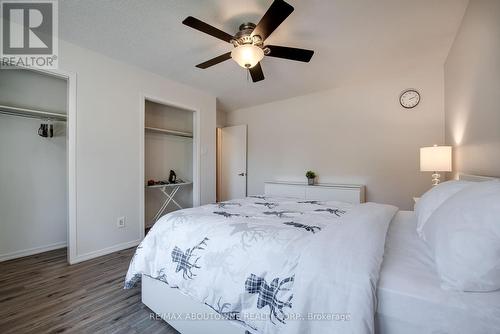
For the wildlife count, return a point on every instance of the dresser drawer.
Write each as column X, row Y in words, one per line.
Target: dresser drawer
column 319, row 193
column 285, row 190
column 350, row 193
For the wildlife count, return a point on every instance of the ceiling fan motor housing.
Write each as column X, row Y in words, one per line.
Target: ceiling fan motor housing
column 244, row 36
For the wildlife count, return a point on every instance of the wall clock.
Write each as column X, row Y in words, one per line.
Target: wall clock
column 409, row 98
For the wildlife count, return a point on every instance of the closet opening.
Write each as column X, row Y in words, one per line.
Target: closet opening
column 170, row 160
column 35, row 146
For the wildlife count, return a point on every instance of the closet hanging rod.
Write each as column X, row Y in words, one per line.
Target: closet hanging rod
column 32, row 113
column 170, row 132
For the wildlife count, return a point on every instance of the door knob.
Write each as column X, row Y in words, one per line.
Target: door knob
column 241, row 174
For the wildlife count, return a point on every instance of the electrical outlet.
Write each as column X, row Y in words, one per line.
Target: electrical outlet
column 120, row 222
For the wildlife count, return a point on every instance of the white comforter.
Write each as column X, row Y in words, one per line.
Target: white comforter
column 273, row 265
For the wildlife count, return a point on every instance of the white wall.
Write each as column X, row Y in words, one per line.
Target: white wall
column 164, row 153
column 32, row 90
column 472, row 81
column 352, row 134
column 108, row 181
column 221, row 118
column 33, row 187
column 33, row 193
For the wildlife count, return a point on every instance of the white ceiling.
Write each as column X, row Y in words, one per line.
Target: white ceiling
column 353, row 40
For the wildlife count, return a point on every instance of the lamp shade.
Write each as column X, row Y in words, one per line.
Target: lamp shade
column 435, row 159
column 247, row 55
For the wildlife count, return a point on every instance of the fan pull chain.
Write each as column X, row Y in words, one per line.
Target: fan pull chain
column 248, row 75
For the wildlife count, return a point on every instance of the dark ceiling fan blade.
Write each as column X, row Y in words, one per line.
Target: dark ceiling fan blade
column 256, row 73
column 274, row 16
column 207, row 28
column 215, row 61
column 290, row 53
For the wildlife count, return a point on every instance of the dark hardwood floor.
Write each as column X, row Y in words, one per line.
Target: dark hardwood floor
column 43, row 294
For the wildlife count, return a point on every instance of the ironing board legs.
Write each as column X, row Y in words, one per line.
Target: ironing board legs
column 171, row 195
column 169, row 198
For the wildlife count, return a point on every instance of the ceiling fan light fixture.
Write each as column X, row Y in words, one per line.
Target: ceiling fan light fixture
column 248, row 42
column 247, row 55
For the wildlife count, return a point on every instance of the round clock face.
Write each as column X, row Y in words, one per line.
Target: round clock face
column 409, row 98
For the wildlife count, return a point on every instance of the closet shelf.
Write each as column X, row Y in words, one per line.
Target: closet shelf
column 170, row 132
column 32, row 113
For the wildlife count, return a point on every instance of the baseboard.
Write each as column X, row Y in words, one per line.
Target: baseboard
column 104, row 251
column 31, row 251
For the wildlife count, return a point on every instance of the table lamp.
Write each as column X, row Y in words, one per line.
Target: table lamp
column 435, row 159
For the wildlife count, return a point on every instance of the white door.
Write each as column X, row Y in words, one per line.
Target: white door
column 233, row 162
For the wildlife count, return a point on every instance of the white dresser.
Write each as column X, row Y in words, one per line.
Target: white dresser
column 350, row 193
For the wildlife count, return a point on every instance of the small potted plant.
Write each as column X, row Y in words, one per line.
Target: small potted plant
column 310, row 177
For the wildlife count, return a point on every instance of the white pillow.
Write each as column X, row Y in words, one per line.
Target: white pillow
column 464, row 236
column 433, row 198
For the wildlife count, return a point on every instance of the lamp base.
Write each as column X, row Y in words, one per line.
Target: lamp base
column 435, row 179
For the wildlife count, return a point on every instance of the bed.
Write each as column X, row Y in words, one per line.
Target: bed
column 407, row 299
column 260, row 264
column 410, row 299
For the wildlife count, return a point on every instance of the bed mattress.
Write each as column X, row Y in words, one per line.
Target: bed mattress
column 410, row 299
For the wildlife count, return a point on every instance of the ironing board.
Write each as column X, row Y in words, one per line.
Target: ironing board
column 169, row 190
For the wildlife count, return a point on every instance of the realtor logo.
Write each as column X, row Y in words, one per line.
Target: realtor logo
column 29, row 34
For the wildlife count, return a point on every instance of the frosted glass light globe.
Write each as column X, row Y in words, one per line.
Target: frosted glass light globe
column 247, row 55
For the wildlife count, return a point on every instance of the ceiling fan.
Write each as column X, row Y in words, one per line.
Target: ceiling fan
column 248, row 42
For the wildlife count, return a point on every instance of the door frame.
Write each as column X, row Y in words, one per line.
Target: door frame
column 196, row 153
column 71, row 126
column 219, row 160
column 218, row 157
